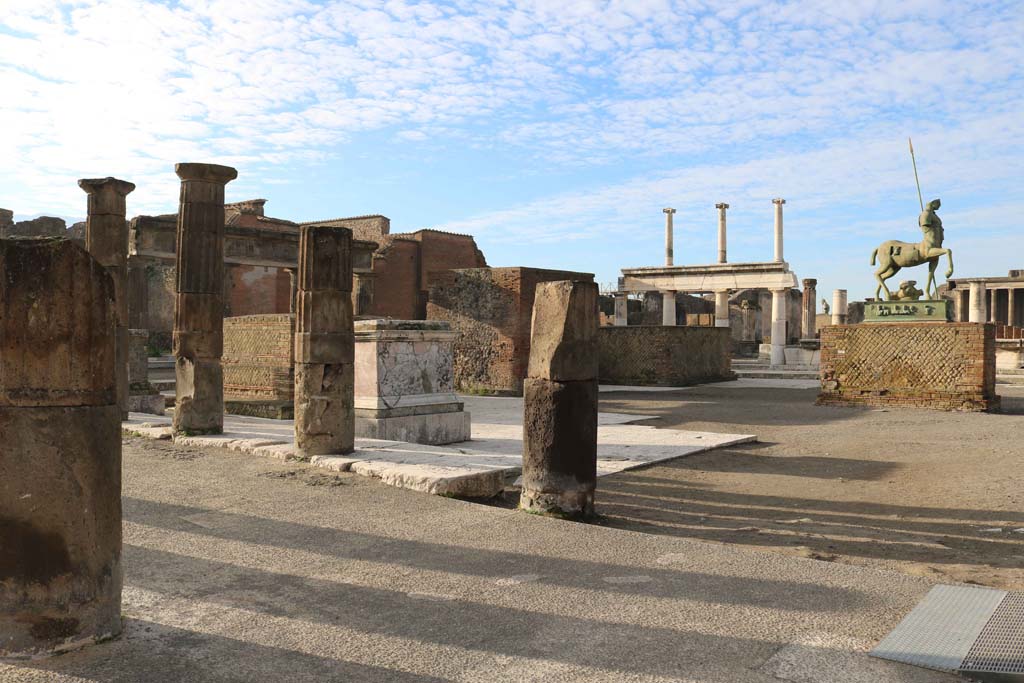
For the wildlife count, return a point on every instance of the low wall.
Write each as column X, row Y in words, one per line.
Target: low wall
column 942, row 366
column 656, row 355
column 259, row 375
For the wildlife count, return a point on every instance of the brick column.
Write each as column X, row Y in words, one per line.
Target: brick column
column 668, row 308
column 560, row 401
column 324, row 351
column 722, row 309
column 106, row 238
column 199, row 301
column 669, row 258
column 60, row 456
column 779, row 257
column 779, row 308
column 977, row 308
column 621, row 309
column 839, row 307
column 721, row 231
column 810, row 309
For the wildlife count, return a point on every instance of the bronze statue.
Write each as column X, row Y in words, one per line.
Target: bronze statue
column 908, row 292
column 894, row 255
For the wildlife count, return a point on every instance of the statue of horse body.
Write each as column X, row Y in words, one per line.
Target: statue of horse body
column 894, row 255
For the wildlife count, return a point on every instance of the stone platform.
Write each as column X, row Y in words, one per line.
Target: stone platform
column 480, row 467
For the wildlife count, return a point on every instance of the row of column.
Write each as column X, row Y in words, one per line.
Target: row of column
column 981, row 304
column 669, row 212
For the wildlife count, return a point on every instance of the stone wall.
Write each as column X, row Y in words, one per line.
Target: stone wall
column 658, row 355
column 490, row 309
column 943, row 366
column 258, row 365
column 44, row 226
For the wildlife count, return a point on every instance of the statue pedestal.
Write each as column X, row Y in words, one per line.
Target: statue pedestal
column 927, row 311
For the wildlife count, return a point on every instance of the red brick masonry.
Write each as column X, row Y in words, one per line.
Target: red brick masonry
column 941, row 366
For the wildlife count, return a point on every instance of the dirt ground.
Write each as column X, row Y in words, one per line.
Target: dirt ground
column 925, row 493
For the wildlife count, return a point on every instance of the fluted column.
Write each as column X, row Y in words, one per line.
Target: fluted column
column 199, row 304
column 779, row 256
column 106, row 238
column 722, row 207
column 669, row 259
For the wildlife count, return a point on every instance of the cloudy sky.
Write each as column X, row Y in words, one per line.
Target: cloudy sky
column 553, row 131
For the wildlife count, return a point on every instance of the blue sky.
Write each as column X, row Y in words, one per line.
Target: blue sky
column 554, row 132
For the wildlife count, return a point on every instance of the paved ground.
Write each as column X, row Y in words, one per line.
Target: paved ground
column 933, row 494
column 241, row 568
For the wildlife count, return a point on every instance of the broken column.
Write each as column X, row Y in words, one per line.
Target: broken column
column 199, row 302
column 779, row 306
column 668, row 308
column 668, row 236
column 621, row 309
column 722, row 308
column 976, row 311
column 810, row 308
column 779, row 258
column 60, row 460
column 324, row 355
column 721, row 231
column 106, row 238
column 839, row 307
column 560, row 401
column 143, row 397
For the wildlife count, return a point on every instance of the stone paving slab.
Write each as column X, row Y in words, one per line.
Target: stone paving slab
column 478, row 468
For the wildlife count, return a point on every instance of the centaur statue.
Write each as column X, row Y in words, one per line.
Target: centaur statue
column 894, row 255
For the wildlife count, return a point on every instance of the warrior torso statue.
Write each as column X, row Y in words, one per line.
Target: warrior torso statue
column 931, row 224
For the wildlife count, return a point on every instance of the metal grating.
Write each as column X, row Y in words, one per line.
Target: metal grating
column 939, row 632
column 999, row 648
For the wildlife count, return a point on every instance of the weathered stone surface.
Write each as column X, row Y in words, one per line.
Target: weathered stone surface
column 44, row 226
column 324, row 417
column 434, row 428
column 199, row 395
column 60, row 459
column 559, row 446
column 647, row 355
column 56, row 318
column 564, row 337
column 325, row 259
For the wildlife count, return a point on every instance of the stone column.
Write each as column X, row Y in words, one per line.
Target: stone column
column 106, row 238
column 779, row 258
column 810, row 309
column 668, row 235
column 60, row 458
column 747, row 313
column 991, row 305
column 779, row 326
column 324, row 355
column 362, row 292
column 560, row 401
column 722, row 308
column 977, row 307
column 1011, row 307
column 839, row 307
column 199, row 301
column 721, row 231
column 668, row 308
column 621, row 309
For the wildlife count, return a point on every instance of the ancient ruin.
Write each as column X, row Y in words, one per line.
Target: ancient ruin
column 324, row 415
column 560, row 401
column 199, row 303
column 60, row 462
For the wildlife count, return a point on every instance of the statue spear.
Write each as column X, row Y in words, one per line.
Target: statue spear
column 912, row 159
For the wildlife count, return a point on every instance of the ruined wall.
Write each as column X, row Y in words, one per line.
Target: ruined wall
column 44, row 226
column 258, row 361
column 490, row 309
column 943, row 366
column 396, row 289
column 660, row 355
column 370, row 228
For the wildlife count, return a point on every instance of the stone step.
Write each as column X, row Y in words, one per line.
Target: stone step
column 1014, row 379
column 161, row 362
column 761, row 373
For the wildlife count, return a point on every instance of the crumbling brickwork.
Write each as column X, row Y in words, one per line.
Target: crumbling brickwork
column 490, row 309
column 942, row 366
column 659, row 355
column 258, row 358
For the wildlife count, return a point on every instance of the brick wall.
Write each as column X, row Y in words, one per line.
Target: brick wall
column 491, row 310
column 396, row 291
column 947, row 366
column 257, row 358
column 256, row 290
column 657, row 355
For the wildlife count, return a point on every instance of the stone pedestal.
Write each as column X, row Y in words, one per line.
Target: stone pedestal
column 60, row 458
column 199, row 301
column 106, row 238
column 404, row 383
column 324, row 417
column 935, row 311
column 142, row 396
column 560, row 402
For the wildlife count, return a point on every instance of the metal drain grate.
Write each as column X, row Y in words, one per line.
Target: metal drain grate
column 999, row 648
column 940, row 631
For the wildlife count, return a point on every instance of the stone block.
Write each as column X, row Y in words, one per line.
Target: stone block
column 199, row 389
column 55, row 325
column 325, row 259
column 324, row 347
column 323, row 311
column 151, row 404
column 324, row 417
column 559, row 446
column 564, row 332
column 435, row 428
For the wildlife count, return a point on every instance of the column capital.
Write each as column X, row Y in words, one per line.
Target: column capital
column 669, row 211
column 210, row 173
column 810, row 282
column 721, row 205
column 779, row 201
column 94, row 185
